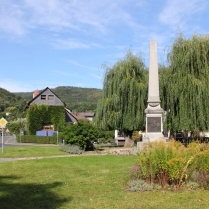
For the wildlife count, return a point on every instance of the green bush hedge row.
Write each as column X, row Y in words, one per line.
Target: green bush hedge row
column 37, row 139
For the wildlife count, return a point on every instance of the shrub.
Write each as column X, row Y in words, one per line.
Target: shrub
column 172, row 163
column 101, row 141
column 136, row 136
column 72, row 149
column 201, row 166
column 104, row 140
column 153, row 159
column 202, row 161
column 175, row 167
column 81, row 134
column 105, row 137
column 139, row 185
column 135, row 172
column 16, row 125
column 201, row 178
column 192, row 185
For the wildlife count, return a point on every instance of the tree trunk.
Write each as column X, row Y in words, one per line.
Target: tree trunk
column 128, row 141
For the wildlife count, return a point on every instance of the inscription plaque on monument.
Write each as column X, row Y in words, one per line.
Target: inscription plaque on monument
column 153, row 124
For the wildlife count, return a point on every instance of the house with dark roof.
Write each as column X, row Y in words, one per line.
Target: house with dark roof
column 88, row 115
column 73, row 117
column 48, row 97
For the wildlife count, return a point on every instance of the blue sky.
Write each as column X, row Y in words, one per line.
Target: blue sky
column 50, row 43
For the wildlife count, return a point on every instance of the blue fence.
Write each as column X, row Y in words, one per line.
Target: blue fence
column 45, row 133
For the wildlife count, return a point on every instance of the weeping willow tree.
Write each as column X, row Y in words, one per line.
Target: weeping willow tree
column 124, row 96
column 184, row 84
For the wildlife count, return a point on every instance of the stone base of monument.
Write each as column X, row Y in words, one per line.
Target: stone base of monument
column 150, row 138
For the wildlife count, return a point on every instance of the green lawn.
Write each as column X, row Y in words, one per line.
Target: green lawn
column 82, row 182
column 30, row 151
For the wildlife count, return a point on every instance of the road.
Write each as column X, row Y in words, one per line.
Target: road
column 8, row 141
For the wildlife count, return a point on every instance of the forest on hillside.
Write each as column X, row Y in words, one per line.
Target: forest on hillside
column 76, row 98
column 10, row 102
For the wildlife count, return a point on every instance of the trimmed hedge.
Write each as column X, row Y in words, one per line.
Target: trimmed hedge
column 37, row 139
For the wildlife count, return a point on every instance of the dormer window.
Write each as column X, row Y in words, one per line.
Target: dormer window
column 50, row 97
column 43, row 97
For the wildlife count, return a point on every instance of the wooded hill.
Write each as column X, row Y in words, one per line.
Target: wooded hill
column 76, row 98
column 10, row 102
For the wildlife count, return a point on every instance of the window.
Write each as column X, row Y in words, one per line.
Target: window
column 43, row 97
column 50, row 97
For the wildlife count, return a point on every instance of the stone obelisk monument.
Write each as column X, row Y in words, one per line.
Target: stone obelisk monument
column 154, row 122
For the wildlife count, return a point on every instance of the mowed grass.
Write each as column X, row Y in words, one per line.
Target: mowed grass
column 30, row 151
column 84, row 182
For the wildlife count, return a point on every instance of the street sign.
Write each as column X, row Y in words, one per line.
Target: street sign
column 3, row 122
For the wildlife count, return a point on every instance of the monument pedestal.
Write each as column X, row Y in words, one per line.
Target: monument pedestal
column 154, row 127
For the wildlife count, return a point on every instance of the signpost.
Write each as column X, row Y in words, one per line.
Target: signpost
column 21, row 133
column 3, row 123
column 57, row 136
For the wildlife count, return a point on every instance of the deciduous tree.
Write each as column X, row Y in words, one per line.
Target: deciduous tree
column 124, row 96
column 184, row 84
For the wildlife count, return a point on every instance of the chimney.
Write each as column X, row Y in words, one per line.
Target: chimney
column 35, row 93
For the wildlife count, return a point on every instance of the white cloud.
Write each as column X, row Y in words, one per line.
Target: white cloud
column 75, row 63
column 97, row 76
column 25, row 86
column 13, row 86
column 53, row 14
column 177, row 13
column 11, row 18
column 89, row 17
column 64, row 73
column 69, row 44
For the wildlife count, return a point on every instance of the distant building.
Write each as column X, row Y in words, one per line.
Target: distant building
column 88, row 115
column 48, row 97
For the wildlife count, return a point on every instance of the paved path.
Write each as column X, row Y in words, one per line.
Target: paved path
column 11, row 141
column 32, row 158
column 55, row 156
